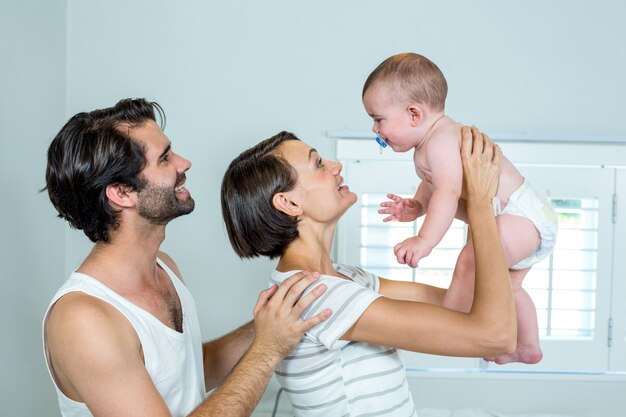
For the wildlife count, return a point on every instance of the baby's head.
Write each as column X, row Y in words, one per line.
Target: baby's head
column 399, row 93
column 409, row 77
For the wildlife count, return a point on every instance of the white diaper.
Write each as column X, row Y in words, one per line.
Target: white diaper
column 529, row 203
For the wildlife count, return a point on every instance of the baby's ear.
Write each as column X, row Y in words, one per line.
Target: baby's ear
column 416, row 113
column 283, row 202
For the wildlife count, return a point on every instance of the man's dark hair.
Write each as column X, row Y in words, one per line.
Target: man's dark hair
column 255, row 227
column 92, row 151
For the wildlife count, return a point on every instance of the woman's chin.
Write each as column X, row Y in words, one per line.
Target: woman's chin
column 346, row 193
column 352, row 199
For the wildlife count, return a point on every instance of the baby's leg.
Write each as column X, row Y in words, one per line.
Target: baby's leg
column 460, row 293
column 519, row 239
column 528, row 348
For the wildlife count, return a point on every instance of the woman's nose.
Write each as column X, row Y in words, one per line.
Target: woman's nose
column 335, row 167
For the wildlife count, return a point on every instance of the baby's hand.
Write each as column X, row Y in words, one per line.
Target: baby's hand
column 400, row 209
column 412, row 250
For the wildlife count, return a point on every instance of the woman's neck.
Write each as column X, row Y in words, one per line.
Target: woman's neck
column 309, row 252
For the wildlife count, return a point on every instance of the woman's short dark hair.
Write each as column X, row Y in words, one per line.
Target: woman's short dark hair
column 92, row 151
column 255, row 227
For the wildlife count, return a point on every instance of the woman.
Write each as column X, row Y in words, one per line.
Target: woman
column 281, row 199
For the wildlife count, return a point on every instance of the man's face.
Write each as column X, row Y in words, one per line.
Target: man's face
column 160, row 204
column 164, row 196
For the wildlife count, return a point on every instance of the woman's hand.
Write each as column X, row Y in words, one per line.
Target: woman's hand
column 481, row 166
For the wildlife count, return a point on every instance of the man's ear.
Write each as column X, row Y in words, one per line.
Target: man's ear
column 416, row 113
column 119, row 195
column 283, row 202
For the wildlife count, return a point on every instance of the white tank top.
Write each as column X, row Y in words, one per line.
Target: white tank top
column 173, row 359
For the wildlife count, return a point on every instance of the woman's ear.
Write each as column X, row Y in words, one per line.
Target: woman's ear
column 283, row 202
column 416, row 113
column 119, row 196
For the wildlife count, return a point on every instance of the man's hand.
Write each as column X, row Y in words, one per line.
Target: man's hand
column 400, row 209
column 277, row 314
column 412, row 250
column 278, row 329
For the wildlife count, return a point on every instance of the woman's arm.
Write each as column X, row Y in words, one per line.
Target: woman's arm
column 490, row 326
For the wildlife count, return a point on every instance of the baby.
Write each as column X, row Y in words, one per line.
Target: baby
column 405, row 96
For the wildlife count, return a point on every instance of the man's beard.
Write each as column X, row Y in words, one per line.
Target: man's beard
column 159, row 205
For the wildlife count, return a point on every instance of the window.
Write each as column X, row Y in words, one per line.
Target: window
column 572, row 289
column 563, row 285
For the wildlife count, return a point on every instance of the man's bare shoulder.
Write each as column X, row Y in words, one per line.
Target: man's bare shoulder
column 96, row 356
column 79, row 314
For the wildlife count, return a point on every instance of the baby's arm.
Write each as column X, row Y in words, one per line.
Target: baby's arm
column 443, row 158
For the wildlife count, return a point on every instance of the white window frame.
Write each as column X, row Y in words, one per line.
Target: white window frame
column 605, row 155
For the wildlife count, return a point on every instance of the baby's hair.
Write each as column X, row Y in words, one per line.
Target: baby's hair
column 413, row 77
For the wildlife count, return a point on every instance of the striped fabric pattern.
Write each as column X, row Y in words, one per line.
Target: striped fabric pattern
column 325, row 376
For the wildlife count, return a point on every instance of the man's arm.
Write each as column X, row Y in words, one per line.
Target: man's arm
column 278, row 328
column 222, row 354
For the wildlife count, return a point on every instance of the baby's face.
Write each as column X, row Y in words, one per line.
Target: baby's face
column 392, row 120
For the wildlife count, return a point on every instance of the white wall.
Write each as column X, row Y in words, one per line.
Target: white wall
column 32, row 106
column 234, row 72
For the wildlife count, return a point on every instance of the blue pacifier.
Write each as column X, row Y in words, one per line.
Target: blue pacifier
column 382, row 143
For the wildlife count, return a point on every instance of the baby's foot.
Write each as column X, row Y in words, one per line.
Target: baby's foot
column 530, row 356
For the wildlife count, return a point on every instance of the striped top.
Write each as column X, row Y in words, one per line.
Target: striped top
column 325, row 376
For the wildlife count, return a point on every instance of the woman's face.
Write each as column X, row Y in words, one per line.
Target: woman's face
column 319, row 191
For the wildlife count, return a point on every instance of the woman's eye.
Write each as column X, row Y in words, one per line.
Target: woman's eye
column 320, row 163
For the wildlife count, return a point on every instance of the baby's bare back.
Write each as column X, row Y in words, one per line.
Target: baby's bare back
column 442, row 148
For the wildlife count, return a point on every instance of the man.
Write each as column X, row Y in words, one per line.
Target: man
column 122, row 337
